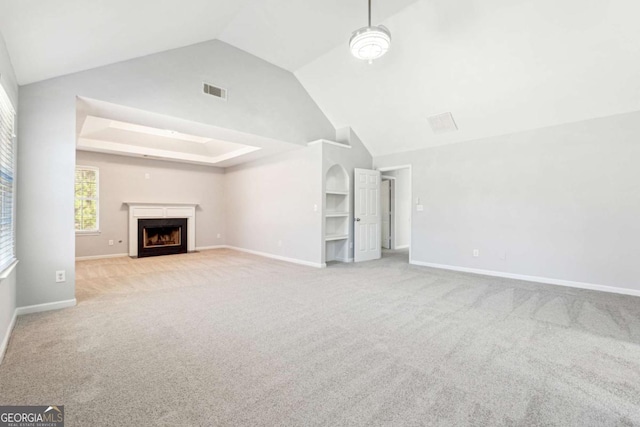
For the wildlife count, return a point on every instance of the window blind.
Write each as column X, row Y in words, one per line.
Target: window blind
column 7, row 174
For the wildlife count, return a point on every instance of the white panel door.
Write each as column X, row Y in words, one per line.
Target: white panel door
column 367, row 218
column 385, row 209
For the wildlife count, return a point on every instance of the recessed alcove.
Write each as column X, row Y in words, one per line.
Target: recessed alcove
column 337, row 212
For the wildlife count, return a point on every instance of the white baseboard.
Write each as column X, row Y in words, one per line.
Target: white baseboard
column 343, row 260
column 7, row 335
column 278, row 257
column 536, row 279
column 93, row 257
column 206, row 248
column 87, row 258
column 402, row 247
column 45, row 307
column 28, row 310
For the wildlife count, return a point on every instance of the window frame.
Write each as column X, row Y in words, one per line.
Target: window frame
column 95, row 231
column 7, row 268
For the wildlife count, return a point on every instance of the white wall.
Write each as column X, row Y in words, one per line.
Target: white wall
column 270, row 205
column 263, row 100
column 124, row 179
column 559, row 202
column 402, row 207
column 8, row 285
column 7, row 76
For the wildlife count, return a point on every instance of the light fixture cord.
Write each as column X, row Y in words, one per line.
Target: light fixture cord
column 369, row 12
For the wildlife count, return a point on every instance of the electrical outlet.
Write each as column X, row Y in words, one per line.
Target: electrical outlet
column 279, row 243
column 476, row 253
column 110, row 242
column 219, row 236
column 61, row 276
column 147, row 176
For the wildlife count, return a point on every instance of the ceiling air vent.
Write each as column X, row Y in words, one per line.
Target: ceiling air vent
column 214, row 91
column 442, row 123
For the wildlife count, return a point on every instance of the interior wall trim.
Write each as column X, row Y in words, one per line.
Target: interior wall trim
column 536, row 279
column 45, row 307
column 28, row 310
column 87, row 258
column 206, row 248
column 7, row 336
column 278, row 257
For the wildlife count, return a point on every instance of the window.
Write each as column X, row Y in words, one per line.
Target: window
column 86, row 199
column 7, row 172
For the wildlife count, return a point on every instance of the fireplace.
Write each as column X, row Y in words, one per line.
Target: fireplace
column 139, row 211
column 164, row 236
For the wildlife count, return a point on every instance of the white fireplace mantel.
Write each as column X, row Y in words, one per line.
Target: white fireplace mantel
column 147, row 210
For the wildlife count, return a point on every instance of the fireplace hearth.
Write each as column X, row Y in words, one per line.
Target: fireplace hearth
column 166, row 236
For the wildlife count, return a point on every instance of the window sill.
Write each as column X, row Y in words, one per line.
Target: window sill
column 88, row 233
column 7, row 271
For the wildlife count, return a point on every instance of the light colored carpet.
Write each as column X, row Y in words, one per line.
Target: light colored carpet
column 225, row 338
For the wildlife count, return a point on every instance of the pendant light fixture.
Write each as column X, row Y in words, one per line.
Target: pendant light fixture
column 370, row 42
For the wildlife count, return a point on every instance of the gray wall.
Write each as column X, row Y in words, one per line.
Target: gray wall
column 270, row 205
column 8, row 285
column 280, row 199
column 124, row 179
column 263, row 99
column 560, row 202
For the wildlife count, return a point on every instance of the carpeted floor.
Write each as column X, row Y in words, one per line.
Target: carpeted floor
column 226, row 338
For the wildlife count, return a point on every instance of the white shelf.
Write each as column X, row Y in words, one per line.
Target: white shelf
column 336, row 214
column 336, row 237
column 337, row 209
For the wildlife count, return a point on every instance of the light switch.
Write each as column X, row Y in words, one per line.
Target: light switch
column 419, row 208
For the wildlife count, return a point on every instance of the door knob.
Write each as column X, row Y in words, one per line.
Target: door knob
column 357, row 219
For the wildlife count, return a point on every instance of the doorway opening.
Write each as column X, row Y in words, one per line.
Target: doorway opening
column 395, row 201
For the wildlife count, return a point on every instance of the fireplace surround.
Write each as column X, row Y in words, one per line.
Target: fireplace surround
column 145, row 210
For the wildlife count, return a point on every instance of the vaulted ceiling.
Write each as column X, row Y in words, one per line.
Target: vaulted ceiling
column 499, row 66
column 49, row 38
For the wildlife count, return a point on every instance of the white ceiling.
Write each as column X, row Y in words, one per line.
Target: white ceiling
column 127, row 139
column 104, row 127
column 499, row 66
column 49, row 38
column 292, row 33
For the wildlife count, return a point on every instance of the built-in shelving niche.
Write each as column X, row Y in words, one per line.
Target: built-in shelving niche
column 336, row 215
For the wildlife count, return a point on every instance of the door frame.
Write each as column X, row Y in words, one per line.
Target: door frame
column 392, row 208
column 398, row 167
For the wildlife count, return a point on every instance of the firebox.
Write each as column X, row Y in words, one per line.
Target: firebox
column 165, row 236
